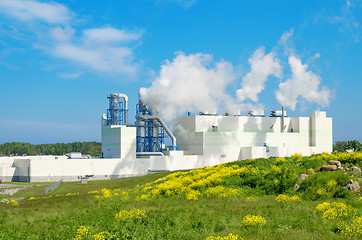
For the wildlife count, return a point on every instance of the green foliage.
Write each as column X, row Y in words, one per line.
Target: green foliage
column 343, row 193
column 285, row 180
column 19, row 148
column 354, row 145
column 340, row 146
column 343, row 146
column 312, row 187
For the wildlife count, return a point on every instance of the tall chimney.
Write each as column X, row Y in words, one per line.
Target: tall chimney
column 282, row 130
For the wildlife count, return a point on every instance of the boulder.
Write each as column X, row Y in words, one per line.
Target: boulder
column 347, row 169
column 335, row 162
column 340, row 168
column 328, row 168
column 352, row 185
column 302, row 176
column 355, row 169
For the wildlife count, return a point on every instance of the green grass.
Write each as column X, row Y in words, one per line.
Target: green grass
column 175, row 217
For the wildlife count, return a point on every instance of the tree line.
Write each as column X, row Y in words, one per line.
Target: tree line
column 344, row 146
column 20, row 148
column 94, row 148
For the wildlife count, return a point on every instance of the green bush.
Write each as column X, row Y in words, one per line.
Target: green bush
column 343, row 193
column 285, row 180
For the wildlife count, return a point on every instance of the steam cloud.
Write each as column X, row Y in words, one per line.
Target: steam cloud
column 189, row 83
column 262, row 66
column 302, row 83
column 197, row 83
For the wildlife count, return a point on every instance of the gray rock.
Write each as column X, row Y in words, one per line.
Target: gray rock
column 352, row 186
column 355, row 169
column 347, row 169
column 302, row 176
column 335, row 162
column 340, row 168
column 328, row 168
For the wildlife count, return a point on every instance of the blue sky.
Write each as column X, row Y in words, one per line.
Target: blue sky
column 60, row 59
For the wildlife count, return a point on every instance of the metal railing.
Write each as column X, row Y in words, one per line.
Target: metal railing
column 53, row 187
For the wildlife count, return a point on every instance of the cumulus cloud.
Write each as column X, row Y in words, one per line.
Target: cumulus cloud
column 262, row 66
column 106, row 54
column 26, row 10
column 189, row 83
column 105, row 49
column 302, row 84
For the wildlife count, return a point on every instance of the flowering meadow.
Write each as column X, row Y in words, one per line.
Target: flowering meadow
column 251, row 199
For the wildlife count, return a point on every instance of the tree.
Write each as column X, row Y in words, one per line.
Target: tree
column 95, row 151
column 354, row 145
column 340, row 146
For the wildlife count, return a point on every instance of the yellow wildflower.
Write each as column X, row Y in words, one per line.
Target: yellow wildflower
column 101, row 235
column 131, row 214
column 249, row 220
column 228, row 237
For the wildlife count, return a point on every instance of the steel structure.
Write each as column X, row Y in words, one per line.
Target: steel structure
column 117, row 112
column 150, row 133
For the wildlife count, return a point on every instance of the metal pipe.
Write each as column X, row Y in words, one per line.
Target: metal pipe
column 282, row 119
column 145, row 117
column 125, row 98
column 150, row 154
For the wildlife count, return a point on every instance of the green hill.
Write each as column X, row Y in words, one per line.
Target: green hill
column 252, row 199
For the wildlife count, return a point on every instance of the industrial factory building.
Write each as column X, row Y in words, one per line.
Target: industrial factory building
column 196, row 141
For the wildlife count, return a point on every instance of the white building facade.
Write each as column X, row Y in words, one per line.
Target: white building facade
column 204, row 140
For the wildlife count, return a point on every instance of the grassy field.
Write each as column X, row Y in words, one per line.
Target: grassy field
column 199, row 204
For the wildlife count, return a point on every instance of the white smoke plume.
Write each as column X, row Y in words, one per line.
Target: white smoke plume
column 262, row 66
column 189, row 83
column 302, row 84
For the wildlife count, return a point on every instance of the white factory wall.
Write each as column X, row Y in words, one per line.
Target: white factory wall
column 55, row 168
column 231, row 137
column 204, row 140
column 7, row 169
column 118, row 141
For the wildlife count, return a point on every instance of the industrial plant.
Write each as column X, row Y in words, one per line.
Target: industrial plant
column 197, row 140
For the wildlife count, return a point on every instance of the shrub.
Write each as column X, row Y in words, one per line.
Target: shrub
column 342, row 193
column 285, row 179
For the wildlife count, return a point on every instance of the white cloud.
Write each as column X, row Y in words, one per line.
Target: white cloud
column 109, row 34
column 70, row 75
column 109, row 57
column 302, row 84
column 184, row 3
column 189, row 83
column 345, row 20
column 262, row 66
column 62, row 34
column 286, row 35
column 106, row 49
column 25, row 10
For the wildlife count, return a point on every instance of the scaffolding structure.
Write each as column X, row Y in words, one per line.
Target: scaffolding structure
column 150, row 134
column 116, row 113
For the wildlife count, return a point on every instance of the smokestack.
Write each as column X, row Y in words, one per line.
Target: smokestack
column 282, row 119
